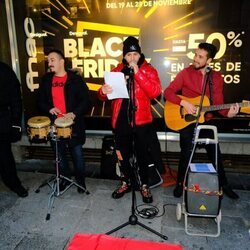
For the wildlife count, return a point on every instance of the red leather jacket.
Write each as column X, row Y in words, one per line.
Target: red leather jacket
column 147, row 87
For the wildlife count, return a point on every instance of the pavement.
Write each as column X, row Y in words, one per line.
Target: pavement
column 25, row 224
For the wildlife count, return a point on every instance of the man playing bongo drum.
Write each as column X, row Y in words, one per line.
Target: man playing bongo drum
column 63, row 93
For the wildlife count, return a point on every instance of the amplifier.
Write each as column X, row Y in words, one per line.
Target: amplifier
column 202, row 195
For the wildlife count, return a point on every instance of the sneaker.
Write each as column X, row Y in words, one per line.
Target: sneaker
column 20, row 191
column 146, row 194
column 120, row 191
column 227, row 190
column 178, row 190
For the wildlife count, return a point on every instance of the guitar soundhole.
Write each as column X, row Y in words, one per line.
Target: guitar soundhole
column 189, row 118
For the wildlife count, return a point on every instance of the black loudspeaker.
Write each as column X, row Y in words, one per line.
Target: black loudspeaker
column 108, row 159
column 109, row 164
column 202, row 194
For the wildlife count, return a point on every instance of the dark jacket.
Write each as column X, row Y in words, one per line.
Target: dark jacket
column 147, row 87
column 10, row 102
column 76, row 101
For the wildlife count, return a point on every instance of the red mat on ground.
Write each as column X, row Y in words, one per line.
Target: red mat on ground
column 169, row 178
column 106, row 242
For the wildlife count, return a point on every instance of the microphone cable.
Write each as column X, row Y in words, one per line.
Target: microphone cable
column 148, row 212
column 151, row 211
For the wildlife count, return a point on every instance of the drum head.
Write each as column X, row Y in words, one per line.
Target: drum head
column 39, row 121
column 62, row 122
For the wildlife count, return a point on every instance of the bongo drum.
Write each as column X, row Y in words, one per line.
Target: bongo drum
column 63, row 127
column 38, row 127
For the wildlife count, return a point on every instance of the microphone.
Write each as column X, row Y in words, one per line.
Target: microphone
column 208, row 69
column 127, row 71
column 131, row 71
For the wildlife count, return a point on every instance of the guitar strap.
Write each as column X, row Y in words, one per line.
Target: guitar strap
column 210, row 80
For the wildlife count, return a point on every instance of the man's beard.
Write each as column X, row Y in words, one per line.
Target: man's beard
column 51, row 69
column 198, row 68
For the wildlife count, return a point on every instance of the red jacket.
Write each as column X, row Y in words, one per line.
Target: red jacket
column 147, row 87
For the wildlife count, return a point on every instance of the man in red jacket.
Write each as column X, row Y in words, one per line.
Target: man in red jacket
column 190, row 82
column 132, row 118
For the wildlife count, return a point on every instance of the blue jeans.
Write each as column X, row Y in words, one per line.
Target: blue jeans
column 77, row 158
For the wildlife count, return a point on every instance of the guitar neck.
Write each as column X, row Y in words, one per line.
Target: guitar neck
column 223, row 106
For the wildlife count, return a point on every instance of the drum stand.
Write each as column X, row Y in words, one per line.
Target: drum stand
column 54, row 182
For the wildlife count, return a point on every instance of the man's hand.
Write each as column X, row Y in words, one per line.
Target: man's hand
column 189, row 107
column 55, row 111
column 106, row 89
column 233, row 111
column 134, row 66
column 70, row 115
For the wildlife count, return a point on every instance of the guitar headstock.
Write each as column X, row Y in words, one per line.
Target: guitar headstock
column 245, row 107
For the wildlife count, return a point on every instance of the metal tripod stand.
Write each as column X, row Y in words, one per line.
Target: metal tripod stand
column 133, row 219
column 54, row 182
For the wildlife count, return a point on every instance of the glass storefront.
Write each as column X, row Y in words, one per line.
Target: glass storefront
column 90, row 34
column 4, row 38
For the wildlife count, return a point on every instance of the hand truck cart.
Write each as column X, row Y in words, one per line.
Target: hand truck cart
column 202, row 195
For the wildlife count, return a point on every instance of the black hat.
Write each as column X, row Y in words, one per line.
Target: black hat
column 131, row 44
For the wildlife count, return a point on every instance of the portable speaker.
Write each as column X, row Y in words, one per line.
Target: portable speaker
column 202, row 194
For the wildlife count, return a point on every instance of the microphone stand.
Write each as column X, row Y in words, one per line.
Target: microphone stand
column 204, row 87
column 133, row 219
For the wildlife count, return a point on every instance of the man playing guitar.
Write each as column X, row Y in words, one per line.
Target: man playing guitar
column 190, row 82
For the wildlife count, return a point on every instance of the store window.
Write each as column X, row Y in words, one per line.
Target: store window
column 4, row 38
column 90, row 34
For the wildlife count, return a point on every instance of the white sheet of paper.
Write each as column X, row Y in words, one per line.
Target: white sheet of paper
column 118, row 83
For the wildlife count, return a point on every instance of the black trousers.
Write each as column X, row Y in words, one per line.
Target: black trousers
column 8, row 166
column 136, row 141
column 186, row 145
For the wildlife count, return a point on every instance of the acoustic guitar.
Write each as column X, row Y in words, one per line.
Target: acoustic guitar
column 177, row 118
